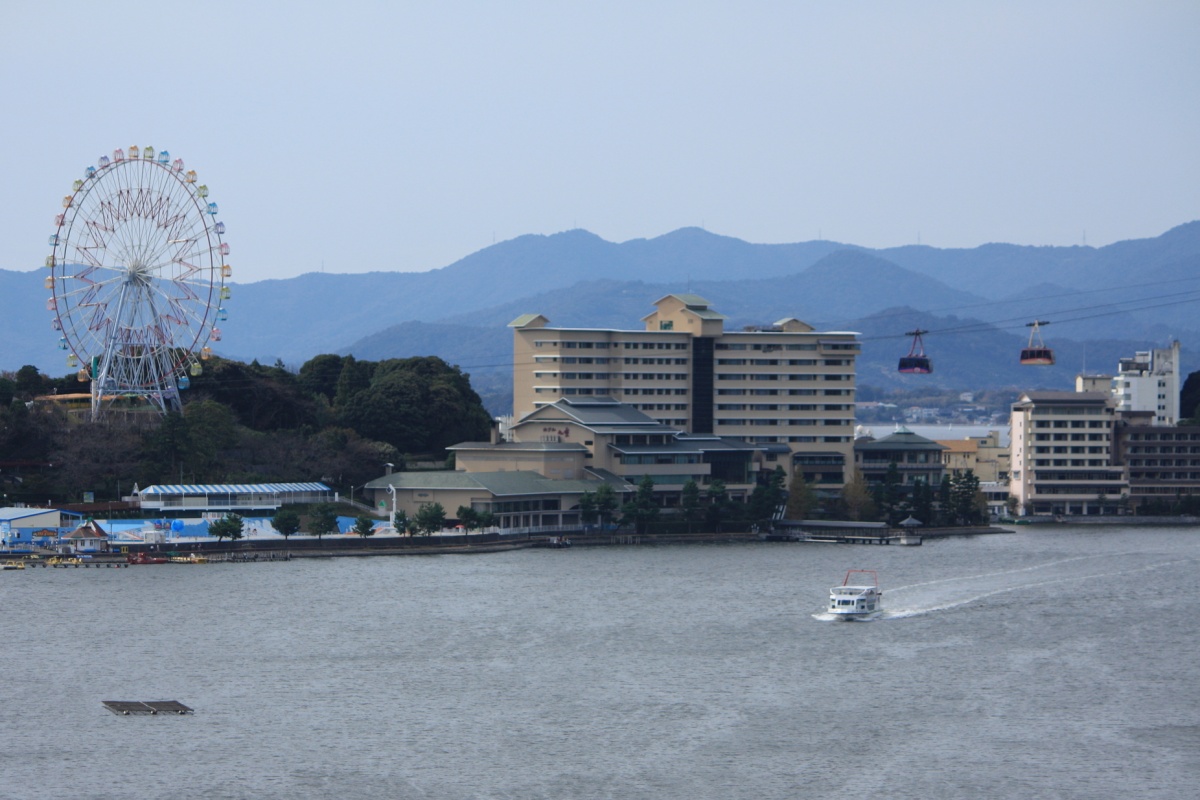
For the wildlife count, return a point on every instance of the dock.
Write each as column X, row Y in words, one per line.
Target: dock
column 126, row 708
column 843, row 532
column 858, row 537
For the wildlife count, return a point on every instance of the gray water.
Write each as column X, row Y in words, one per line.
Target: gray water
column 1050, row 663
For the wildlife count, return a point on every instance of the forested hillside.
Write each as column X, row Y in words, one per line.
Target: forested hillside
column 339, row 420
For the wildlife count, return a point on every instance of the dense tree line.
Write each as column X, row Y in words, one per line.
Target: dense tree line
column 337, row 420
column 957, row 500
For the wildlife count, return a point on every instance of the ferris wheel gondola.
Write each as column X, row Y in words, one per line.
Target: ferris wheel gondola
column 137, row 276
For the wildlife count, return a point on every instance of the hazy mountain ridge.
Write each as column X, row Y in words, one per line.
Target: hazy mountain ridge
column 578, row 279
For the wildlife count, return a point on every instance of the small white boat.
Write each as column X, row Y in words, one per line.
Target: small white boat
column 858, row 599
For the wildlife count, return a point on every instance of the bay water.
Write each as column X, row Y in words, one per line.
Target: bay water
column 1052, row 662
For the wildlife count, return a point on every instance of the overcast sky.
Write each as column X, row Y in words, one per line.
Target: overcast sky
column 357, row 136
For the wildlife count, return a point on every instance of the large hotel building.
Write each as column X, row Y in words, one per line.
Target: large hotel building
column 785, row 388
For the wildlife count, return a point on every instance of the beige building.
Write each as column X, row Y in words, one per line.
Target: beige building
column 563, row 450
column 985, row 456
column 785, row 388
column 1062, row 453
column 519, row 498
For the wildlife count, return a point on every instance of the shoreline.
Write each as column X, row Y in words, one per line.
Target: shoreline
column 277, row 549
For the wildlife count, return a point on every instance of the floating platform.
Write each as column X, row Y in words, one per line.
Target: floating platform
column 842, row 532
column 127, row 708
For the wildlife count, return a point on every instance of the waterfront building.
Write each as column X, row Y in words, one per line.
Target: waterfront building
column 1163, row 463
column 985, row 456
column 785, row 388
column 518, row 498
column 917, row 459
column 566, row 448
column 622, row 441
column 1062, row 453
column 89, row 537
column 175, row 500
column 21, row 525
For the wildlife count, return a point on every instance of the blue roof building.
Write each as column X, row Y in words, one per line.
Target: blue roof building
column 240, row 498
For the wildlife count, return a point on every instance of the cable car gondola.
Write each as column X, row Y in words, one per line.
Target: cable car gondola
column 1039, row 356
column 916, row 362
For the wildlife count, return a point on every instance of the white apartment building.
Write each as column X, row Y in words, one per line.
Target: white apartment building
column 1062, row 454
column 785, row 388
column 1150, row 382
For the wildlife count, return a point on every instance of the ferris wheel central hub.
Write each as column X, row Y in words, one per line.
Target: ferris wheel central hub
column 139, row 273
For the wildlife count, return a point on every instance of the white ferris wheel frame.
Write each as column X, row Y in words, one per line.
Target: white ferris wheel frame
column 137, row 277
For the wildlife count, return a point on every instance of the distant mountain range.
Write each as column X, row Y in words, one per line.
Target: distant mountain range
column 1103, row 303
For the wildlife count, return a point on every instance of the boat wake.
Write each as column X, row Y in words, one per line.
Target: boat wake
column 929, row 597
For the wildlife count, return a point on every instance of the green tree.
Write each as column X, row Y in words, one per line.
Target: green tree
column 942, row 501
column 889, row 495
column 286, row 521
column 228, row 527
column 689, row 504
column 364, row 526
column 322, row 519
column 169, row 447
column 430, row 518
column 922, row 502
column 468, row 518
column 30, row 383
column 642, row 511
column 211, row 433
column 1189, row 398
column 856, row 497
column 486, row 520
column 400, row 520
column 319, row 375
column 801, row 498
column 418, row 405
column 261, row 398
column 587, row 508
column 964, row 489
column 354, row 378
column 765, row 499
column 8, row 390
column 606, row 503
column 718, row 504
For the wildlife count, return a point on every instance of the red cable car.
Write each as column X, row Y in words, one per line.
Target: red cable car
column 1040, row 355
column 916, row 362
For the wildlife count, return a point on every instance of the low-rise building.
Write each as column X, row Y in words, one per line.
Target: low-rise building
column 916, row 458
column 566, row 448
column 21, row 525
column 518, row 498
column 89, row 537
column 985, row 456
column 173, row 500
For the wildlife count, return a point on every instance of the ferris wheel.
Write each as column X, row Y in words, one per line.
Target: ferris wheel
column 137, row 278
